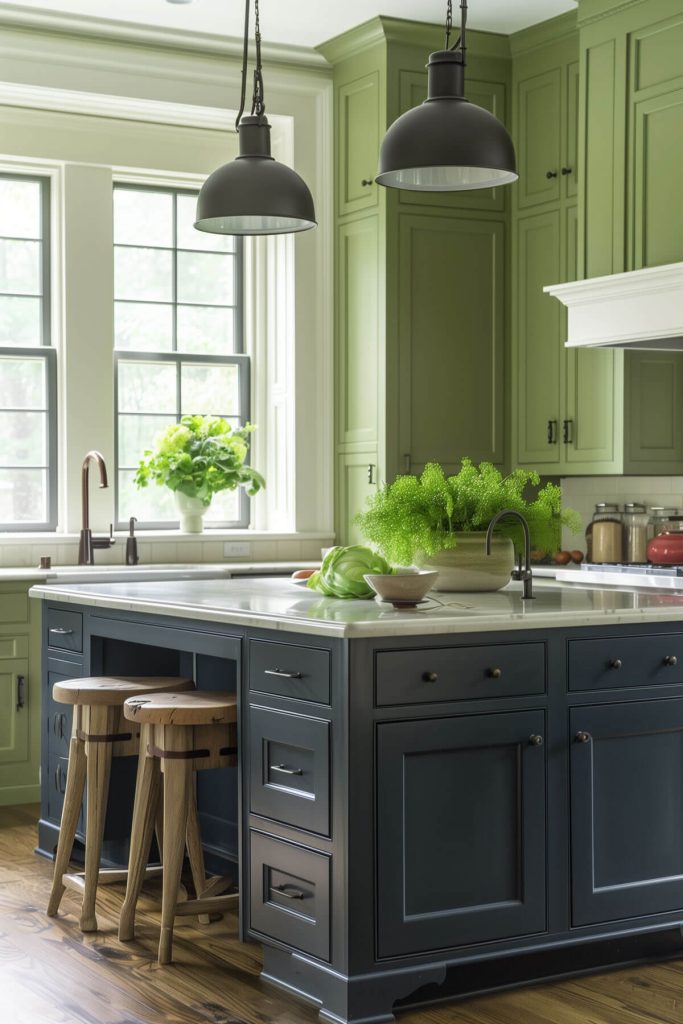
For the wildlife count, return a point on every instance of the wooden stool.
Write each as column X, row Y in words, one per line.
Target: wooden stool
column 99, row 731
column 179, row 733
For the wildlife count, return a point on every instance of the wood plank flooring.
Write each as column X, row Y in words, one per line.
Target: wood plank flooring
column 50, row 973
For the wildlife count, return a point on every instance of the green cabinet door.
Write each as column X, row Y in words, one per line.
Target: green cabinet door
column 358, row 120
column 451, row 327
column 570, row 165
column 358, row 330
column 539, row 146
column 658, row 196
column 14, row 712
column 356, row 482
column 654, row 412
column 539, row 354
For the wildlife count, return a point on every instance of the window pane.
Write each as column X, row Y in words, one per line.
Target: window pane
column 224, row 508
column 20, row 321
column 22, row 384
column 142, row 327
column 24, row 439
column 143, row 274
column 207, row 330
column 136, row 434
column 153, row 504
column 143, row 218
column 190, row 238
column 205, row 277
column 20, row 207
column 147, row 387
column 23, row 495
column 210, row 390
column 20, row 267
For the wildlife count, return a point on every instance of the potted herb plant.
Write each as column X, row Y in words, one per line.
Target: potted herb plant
column 196, row 459
column 440, row 522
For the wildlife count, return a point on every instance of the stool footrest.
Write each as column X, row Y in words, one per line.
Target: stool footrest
column 107, row 876
column 177, row 755
column 205, row 905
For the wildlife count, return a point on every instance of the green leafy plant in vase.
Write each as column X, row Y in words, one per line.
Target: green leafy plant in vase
column 440, row 522
column 197, row 458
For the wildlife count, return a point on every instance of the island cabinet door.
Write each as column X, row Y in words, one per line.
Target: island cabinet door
column 461, row 831
column 626, row 810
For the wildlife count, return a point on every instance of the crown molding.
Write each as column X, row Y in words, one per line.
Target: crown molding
column 554, row 30
column 12, row 16
column 590, row 11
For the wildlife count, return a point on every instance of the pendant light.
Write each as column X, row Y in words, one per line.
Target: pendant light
column 254, row 194
column 447, row 144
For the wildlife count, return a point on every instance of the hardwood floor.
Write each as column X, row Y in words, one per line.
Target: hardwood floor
column 51, row 973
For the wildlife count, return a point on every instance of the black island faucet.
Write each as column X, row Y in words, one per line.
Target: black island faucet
column 518, row 573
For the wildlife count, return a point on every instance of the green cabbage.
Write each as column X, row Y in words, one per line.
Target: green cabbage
column 341, row 574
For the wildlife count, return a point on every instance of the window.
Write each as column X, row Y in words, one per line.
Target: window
column 178, row 339
column 28, row 454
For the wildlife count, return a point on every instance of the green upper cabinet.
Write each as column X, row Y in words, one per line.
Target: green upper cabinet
column 539, row 137
column 358, row 117
column 654, row 412
column 570, row 168
column 451, row 296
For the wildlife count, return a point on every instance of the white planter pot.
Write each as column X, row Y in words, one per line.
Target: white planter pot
column 467, row 567
column 191, row 512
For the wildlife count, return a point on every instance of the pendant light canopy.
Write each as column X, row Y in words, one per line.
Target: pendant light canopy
column 254, row 194
column 447, row 144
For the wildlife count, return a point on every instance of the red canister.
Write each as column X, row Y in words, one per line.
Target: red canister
column 667, row 547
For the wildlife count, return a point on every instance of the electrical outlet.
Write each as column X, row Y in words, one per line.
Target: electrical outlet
column 236, row 549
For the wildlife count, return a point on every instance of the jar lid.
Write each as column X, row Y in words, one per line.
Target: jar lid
column 633, row 507
column 660, row 512
column 606, row 506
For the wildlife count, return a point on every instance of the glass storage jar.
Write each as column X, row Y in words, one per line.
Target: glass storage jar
column 605, row 534
column 635, row 533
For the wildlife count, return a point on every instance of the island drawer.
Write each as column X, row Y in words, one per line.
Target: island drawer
column 626, row 661
column 65, row 629
column 289, row 769
column 290, row 894
column 289, row 670
column 459, row 673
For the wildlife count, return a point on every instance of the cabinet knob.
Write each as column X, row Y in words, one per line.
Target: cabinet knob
column 535, row 740
column 495, row 673
column 616, row 663
column 551, row 174
column 366, row 182
column 430, row 677
column 583, row 737
column 566, row 171
column 671, row 660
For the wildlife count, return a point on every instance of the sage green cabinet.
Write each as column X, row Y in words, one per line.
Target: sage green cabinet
column 654, row 412
column 358, row 133
column 540, row 137
column 19, row 695
column 357, row 481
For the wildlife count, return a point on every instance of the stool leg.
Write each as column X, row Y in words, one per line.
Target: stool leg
column 73, row 799
column 100, row 721
column 195, row 852
column 147, row 792
column 177, row 780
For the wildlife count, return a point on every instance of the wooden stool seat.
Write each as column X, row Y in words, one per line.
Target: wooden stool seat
column 208, row 708
column 114, row 690
column 179, row 733
column 98, row 733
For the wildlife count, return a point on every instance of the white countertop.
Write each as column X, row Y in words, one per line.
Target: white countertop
column 282, row 605
column 150, row 571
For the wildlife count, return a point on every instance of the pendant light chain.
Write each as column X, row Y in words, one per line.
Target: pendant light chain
column 449, row 23
column 245, row 59
column 258, row 105
column 459, row 43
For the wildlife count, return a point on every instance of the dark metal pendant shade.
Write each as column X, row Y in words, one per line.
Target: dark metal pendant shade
column 254, row 194
column 447, row 144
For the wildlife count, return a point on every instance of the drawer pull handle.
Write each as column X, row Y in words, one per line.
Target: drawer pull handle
column 615, row 663
column 60, row 631
column 59, row 776
column 281, row 674
column 671, row 660
column 535, row 740
column 285, row 770
column 294, row 894
column 495, row 673
column 583, row 737
column 430, row 677
column 21, row 692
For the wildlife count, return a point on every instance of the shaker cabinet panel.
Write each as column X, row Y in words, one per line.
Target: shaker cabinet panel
column 658, row 200
column 451, row 303
column 626, row 821
column 461, row 831
column 358, row 119
column 356, row 482
column 539, row 108
column 654, row 412
column 14, row 711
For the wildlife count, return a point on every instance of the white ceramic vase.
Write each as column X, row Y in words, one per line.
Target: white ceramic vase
column 467, row 567
column 191, row 512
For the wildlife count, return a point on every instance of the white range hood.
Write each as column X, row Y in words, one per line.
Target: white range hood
column 642, row 309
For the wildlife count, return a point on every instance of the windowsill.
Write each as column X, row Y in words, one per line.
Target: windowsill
column 166, row 535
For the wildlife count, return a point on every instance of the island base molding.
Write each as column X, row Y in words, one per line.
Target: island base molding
column 374, row 999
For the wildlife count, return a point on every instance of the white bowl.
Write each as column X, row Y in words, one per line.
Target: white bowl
column 402, row 588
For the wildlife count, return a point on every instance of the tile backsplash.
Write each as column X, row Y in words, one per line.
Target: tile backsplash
column 582, row 493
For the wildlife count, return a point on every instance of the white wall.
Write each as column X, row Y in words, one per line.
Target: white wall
column 88, row 107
